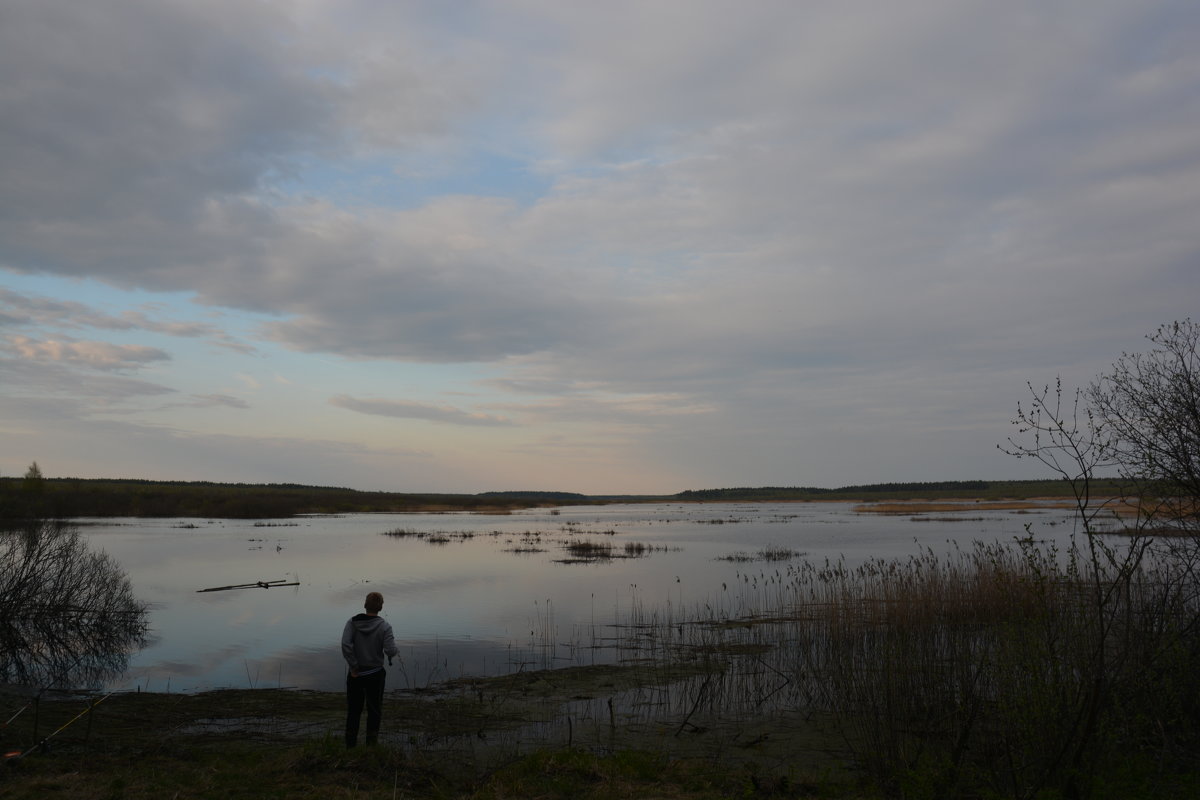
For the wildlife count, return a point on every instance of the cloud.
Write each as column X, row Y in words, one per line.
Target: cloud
column 601, row 407
column 406, row 410
column 50, row 381
column 60, row 431
column 800, row 171
column 99, row 355
column 690, row 219
column 145, row 140
column 435, row 284
column 209, row 400
column 149, row 107
column 42, row 312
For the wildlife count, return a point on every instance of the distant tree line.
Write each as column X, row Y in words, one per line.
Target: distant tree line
column 569, row 497
column 36, row 496
column 890, row 491
column 66, row 498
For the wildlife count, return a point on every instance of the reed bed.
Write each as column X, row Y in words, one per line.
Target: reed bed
column 1006, row 668
column 769, row 553
column 431, row 537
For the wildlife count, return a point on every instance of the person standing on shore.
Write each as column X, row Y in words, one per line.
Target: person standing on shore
column 365, row 640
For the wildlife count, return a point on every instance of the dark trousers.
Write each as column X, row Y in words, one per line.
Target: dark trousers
column 368, row 691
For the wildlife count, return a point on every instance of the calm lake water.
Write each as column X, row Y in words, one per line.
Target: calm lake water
column 472, row 594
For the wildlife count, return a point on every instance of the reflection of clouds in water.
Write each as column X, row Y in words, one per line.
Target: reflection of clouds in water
column 217, row 598
column 451, row 606
column 165, row 675
column 420, row 663
column 310, row 668
column 408, row 588
column 352, row 596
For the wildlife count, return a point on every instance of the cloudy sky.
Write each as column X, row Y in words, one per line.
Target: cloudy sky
column 637, row 246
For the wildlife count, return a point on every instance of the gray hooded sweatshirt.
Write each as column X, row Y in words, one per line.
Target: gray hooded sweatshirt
column 365, row 639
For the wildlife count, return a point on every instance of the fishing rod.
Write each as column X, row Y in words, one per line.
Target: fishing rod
column 33, row 701
column 20, row 711
column 7, row 722
column 30, row 702
column 17, row 755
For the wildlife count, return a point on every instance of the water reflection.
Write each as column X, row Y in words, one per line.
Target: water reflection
column 473, row 594
column 68, row 614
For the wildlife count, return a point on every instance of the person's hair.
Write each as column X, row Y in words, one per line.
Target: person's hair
column 374, row 603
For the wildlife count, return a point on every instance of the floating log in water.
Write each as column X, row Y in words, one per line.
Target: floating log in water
column 263, row 584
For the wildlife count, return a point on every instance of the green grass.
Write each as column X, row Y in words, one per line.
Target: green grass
column 470, row 738
column 320, row 770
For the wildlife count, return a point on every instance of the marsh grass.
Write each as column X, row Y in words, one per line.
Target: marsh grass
column 430, row 537
column 578, row 550
column 587, row 551
column 1005, row 668
column 768, row 554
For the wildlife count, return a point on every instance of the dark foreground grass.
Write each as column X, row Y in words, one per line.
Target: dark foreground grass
column 280, row 744
column 471, row 740
column 323, row 770
column 528, row 735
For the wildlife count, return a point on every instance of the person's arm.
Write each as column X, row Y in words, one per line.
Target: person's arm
column 348, row 648
column 389, row 643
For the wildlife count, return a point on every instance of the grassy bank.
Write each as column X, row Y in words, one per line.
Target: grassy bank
column 524, row 735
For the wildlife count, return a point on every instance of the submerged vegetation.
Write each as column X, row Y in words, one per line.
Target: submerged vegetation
column 770, row 553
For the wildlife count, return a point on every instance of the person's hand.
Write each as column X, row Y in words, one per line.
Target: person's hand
column 353, row 673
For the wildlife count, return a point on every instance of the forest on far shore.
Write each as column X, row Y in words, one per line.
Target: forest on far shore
column 83, row 497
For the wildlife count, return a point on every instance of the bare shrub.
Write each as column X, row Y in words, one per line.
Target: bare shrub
column 68, row 615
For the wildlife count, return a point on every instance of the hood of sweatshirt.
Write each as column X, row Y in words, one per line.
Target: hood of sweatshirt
column 366, row 623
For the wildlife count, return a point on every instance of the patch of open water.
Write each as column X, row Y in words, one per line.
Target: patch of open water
column 476, row 594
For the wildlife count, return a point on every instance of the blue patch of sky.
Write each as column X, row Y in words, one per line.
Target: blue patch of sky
column 200, row 365
column 401, row 182
column 113, row 300
column 55, row 286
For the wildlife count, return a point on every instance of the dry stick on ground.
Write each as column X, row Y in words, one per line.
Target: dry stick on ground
column 699, row 697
